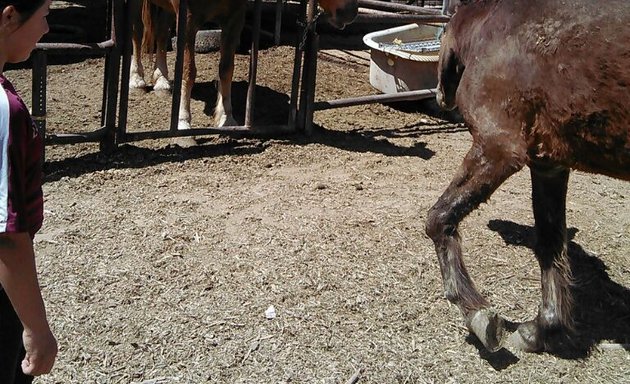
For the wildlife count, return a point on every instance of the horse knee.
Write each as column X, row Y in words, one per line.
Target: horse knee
column 436, row 228
column 436, row 225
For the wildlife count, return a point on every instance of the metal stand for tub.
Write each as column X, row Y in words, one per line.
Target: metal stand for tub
column 308, row 106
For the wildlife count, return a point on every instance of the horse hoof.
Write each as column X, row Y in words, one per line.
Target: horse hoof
column 225, row 121
column 183, row 125
column 489, row 328
column 137, row 83
column 526, row 338
column 185, row 141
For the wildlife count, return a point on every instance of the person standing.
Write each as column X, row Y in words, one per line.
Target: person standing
column 27, row 346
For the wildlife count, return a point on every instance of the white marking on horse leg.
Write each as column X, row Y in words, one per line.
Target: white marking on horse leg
column 136, row 70
column 184, row 106
column 183, row 125
column 223, row 110
column 555, row 309
column 160, row 82
column 549, row 310
column 160, row 73
column 136, row 73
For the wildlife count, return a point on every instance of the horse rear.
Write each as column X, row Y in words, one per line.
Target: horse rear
column 542, row 83
column 155, row 16
column 151, row 29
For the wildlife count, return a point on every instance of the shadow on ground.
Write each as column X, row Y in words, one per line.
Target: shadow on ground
column 272, row 108
column 130, row 156
column 602, row 307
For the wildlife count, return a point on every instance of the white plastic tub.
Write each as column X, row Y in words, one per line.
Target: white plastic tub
column 404, row 58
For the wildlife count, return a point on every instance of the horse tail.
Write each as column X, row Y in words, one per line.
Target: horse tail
column 157, row 22
column 148, row 36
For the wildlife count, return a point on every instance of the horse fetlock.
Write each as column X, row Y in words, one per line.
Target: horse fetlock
column 557, row 304
column 548, row 318
column 489, row 328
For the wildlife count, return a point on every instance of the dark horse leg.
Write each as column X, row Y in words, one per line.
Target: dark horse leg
column 549, row 190
column 485, row 167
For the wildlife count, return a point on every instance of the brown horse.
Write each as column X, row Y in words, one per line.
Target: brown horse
column 230, row 14
column 542, row 83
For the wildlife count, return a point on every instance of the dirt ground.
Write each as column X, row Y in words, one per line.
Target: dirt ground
column 158, row 262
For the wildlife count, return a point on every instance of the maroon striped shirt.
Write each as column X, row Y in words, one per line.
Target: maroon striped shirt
column 21, row 150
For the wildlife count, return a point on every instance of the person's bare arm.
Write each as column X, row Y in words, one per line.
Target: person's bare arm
column 18, row 277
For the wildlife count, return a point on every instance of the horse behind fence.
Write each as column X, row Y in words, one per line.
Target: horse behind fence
column 155, row 18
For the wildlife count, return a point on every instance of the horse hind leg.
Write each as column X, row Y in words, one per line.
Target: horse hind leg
column 549, row 189
column 478, row 177
column 161, row 82
column 136, row 71
column 230, row 35
column 189, row 71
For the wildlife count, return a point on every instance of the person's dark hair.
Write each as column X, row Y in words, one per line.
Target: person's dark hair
column 26, row 8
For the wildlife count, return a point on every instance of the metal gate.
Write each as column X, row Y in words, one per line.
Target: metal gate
column 117, row 52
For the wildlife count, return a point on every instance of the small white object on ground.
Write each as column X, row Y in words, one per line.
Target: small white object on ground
column 270, row 313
